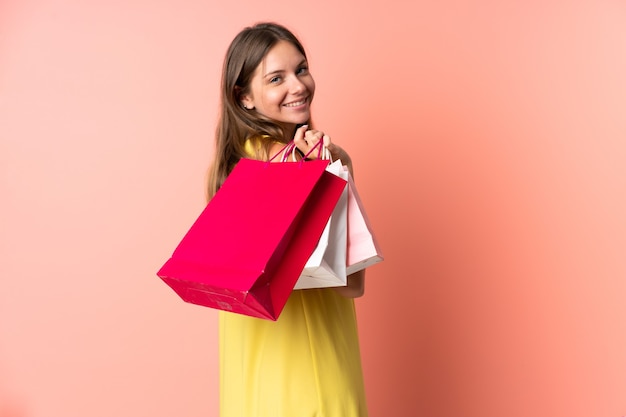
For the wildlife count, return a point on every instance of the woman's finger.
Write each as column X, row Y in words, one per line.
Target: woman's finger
column 312, row 137
column 300, row 134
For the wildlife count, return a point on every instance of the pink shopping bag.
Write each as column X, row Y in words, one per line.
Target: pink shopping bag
column 363, row 249
column 248, row 247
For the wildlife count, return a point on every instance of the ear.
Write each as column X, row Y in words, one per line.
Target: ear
column 246, row 102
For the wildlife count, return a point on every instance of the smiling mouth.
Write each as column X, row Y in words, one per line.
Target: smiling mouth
column 296, row 103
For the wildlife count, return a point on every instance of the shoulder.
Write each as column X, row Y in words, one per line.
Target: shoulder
column 253, row 145
column 261, row 146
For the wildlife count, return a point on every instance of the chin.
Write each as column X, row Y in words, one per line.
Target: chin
column 304, row 119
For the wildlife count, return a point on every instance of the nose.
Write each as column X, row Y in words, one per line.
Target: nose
column 296, row 85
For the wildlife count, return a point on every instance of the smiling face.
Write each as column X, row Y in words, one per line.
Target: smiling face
column 282, row 88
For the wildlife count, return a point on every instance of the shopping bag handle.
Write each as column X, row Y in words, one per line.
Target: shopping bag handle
column 282, row 151
column 325, row 154
column 290, row 148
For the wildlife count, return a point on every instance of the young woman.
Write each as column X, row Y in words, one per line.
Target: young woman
column 307, row 363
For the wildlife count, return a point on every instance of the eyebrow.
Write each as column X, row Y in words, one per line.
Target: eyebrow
column 280, row 71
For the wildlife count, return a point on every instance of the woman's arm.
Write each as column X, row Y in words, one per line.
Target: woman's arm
column 356, row 281
column 305, row 140
column 355, row 287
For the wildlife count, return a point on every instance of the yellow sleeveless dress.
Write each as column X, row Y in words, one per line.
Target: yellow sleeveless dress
column 305, row 364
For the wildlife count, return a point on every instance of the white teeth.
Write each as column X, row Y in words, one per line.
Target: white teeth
column 295, row 103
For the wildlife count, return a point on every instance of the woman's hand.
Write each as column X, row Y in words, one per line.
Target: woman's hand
column 306, row 140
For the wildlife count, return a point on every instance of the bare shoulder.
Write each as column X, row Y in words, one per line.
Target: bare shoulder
column 275, row 148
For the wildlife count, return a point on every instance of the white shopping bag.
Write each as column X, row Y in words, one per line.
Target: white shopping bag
column 363, row 249
column 327, row 265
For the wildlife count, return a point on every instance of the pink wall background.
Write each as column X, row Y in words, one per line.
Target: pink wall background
column 489, row 142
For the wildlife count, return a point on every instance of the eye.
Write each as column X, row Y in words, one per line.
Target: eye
column 275, row 80
column 302, row 70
